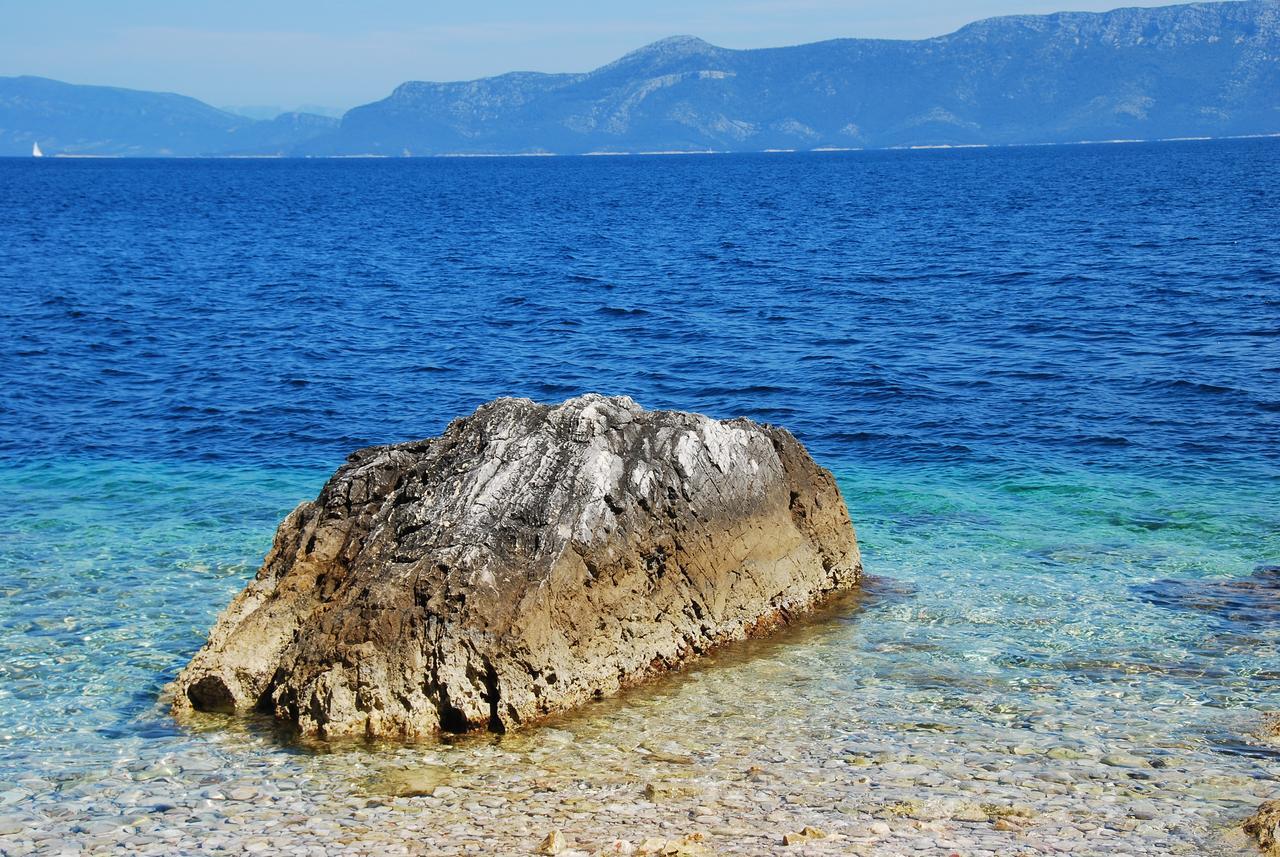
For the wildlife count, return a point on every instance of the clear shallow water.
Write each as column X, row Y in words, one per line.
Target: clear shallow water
column 1048, row 380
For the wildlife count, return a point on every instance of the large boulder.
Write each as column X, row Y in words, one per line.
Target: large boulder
column 527, row 560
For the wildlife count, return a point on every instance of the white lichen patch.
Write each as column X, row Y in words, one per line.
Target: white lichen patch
column 724, row 444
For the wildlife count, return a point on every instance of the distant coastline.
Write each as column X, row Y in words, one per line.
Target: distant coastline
column 645, row 154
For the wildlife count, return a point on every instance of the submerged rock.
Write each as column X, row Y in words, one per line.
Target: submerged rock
column 1252, row 600
column 529, row 559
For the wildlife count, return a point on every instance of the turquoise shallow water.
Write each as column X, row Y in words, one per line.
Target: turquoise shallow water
column 999, row 592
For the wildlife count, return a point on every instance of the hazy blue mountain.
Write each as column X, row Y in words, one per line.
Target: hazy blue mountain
column 280, row 135
column 264, row 111
column 254, row 111
column 101, row 120
column 1206, row 69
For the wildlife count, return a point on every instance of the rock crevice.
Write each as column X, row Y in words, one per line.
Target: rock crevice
column 527, row 560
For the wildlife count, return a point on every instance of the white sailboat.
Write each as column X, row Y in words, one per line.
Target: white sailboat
column 35, row 151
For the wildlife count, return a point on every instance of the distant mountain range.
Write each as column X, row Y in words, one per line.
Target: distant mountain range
column 1203, row 69
column 103, row 120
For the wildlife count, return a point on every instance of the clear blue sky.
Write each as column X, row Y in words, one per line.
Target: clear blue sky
column 339, row 54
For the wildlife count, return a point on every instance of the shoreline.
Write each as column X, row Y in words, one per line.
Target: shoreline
column 923, row 147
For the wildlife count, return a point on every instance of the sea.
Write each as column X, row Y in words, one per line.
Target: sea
column 1047, row 380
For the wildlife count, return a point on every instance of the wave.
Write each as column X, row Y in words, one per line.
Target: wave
column 622, row 312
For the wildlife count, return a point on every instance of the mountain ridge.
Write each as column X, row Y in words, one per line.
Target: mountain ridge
column 1189, row 70
column 1201, row 69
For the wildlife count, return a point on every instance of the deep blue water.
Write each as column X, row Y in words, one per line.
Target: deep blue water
column 1048, row 379
column 1103, row 306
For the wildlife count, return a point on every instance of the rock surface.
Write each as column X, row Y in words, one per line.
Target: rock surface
column 529, row 559
column 1264, row 827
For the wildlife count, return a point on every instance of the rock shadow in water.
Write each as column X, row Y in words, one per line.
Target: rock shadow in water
column 1252, row 600
column 1248, row 605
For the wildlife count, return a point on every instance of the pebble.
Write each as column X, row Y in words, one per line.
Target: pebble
column 971, row 812
column 808, row 834
column 9, row 797
column 656, row 791
column 1124, row 760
